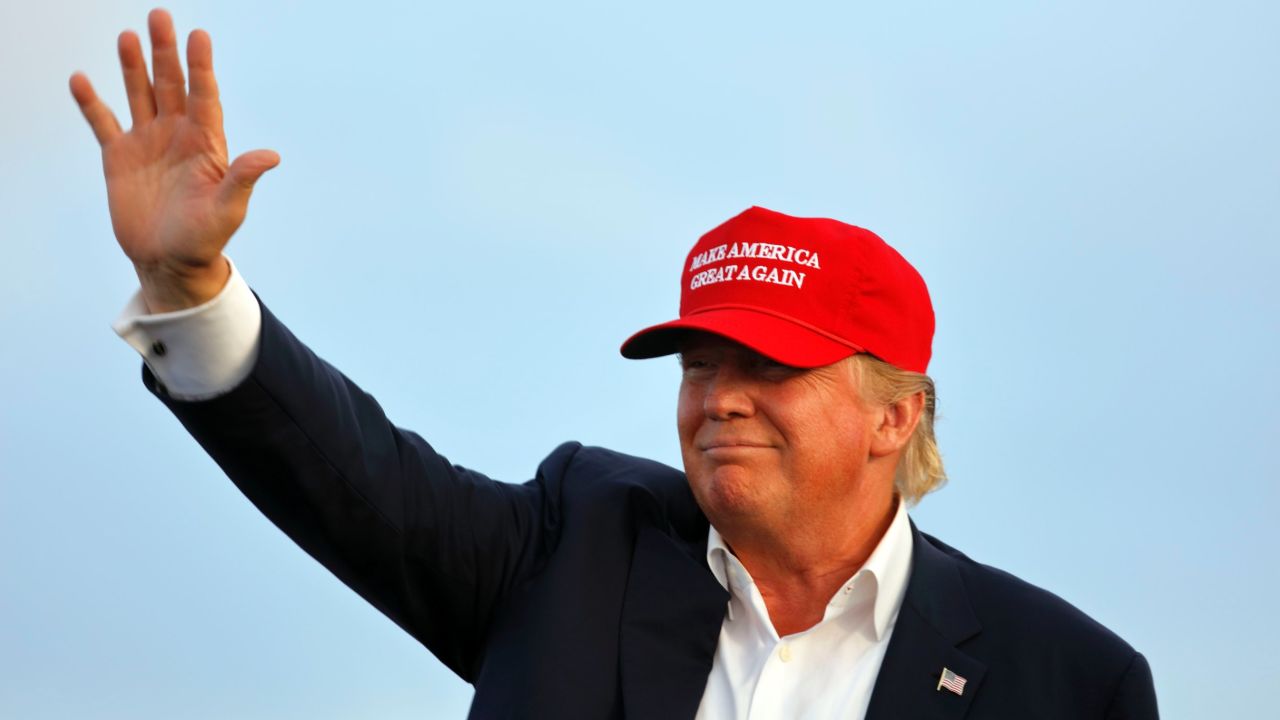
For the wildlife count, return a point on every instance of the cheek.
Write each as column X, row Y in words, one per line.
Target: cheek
column 825, row 438
column 688, row 417
column 843, row 443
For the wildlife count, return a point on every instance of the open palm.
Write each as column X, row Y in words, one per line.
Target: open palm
column 174, row 199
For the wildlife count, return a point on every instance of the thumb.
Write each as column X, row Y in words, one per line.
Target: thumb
column 243, row 173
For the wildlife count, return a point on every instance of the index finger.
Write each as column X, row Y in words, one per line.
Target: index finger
column 105, row 126
column 203, row 105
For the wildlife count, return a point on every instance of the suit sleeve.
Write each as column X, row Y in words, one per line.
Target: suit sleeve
column 432, row 545
column 1135, row 696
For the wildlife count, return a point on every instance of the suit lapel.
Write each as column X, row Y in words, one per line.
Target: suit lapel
column 671, row 620
column 935, row 617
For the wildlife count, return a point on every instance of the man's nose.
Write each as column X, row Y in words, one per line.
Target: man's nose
column 728, row 395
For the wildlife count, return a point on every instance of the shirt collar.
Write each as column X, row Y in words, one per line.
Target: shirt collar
column 889, row 565
column 890, row 562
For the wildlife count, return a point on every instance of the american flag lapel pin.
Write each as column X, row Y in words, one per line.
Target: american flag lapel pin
column 951, row 681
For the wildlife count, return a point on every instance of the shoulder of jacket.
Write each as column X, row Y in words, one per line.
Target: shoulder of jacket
column 576, row 462
column 593, row 478
column 1008, row 605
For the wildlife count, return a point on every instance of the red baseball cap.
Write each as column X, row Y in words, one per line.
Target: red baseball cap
column 805, row 292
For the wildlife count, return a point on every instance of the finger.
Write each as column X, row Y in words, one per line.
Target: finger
column 202, row 104
column 142, row 103
column 243, row 173
column 170, row 85
column 101, row 119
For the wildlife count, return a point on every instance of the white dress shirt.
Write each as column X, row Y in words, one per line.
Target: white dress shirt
column 827, row 671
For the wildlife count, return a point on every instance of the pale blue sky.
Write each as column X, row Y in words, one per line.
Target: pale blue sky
column 477, row 203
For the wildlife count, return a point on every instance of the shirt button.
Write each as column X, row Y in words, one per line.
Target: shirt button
column 784, row 654
column 158, row 348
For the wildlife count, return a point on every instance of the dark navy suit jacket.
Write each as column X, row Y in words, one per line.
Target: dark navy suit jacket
column 585, row 592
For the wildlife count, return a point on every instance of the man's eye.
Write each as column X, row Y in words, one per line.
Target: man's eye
column 691, row 364
column 774, row 369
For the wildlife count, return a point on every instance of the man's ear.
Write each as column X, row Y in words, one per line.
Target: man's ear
column 898, row 421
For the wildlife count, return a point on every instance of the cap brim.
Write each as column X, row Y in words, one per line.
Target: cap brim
column 777, row 338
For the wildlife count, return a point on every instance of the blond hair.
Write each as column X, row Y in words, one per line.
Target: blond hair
column 919, row 469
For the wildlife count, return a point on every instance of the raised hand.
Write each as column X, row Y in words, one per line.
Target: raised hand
column 174, row 199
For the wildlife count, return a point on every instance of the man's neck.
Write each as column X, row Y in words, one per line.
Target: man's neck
column 798, row 577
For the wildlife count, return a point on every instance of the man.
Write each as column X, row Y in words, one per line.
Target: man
column 779, row 576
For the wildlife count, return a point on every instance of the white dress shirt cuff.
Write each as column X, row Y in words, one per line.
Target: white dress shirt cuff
column 199, row 352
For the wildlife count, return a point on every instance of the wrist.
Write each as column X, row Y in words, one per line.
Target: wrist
column 167, row 289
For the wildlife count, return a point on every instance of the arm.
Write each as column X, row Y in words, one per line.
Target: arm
column 432, row 545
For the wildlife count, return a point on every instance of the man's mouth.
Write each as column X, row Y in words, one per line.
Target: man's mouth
column 729, row 445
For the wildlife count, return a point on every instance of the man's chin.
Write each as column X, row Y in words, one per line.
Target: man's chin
column 729, row 494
